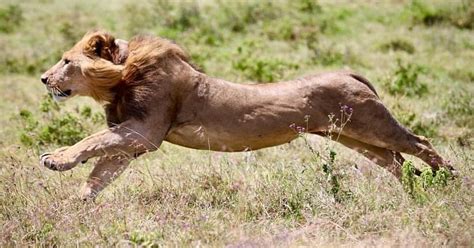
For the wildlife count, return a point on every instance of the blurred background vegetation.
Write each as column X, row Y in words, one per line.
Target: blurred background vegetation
column 419, row 54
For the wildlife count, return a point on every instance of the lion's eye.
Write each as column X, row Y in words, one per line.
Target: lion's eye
column 67, row 61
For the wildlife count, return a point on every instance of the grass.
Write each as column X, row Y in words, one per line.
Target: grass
column 311, row 192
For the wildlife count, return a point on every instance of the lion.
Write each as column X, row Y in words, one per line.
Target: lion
column 152, row 93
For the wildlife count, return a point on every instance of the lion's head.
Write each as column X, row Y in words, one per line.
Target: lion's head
column 90, row 68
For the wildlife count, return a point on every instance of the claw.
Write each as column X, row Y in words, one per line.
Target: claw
column 44, row 155
column 43, row 159
column 46, row 163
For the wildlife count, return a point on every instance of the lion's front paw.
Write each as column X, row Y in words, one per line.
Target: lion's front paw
column 58, row 160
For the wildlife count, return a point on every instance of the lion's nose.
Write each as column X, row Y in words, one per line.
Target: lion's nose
column 44, row 79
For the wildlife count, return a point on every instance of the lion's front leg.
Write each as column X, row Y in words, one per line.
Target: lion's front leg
column 58, row 160
column 128, row 138
column 106, row 169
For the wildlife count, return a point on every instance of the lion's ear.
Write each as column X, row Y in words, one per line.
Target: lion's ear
column 120, row 54
column 101, row 45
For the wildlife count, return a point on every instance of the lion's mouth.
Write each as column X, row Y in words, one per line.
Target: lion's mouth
column 65, row 93
column 60, row 95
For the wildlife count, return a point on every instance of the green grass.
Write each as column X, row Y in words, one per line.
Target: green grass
column 310, row 192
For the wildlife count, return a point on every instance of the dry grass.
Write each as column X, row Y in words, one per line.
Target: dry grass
column 273, row 197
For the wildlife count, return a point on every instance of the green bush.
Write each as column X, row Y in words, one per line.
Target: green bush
column 183, row 18
column 333, row 179
column 55, row 127
column 308, row 6
column 257, row 11
column 415, row 123
column 405, row 80
column 425, row 13
column 459, row 106
column 463, row 15
column 257, row 68
column 418, row 187
column 328, row 56
column 11, row 17
column 398, row 45
column 460, row 15
column 142, row 239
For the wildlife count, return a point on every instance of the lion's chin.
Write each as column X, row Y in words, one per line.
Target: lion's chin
column 60, row 98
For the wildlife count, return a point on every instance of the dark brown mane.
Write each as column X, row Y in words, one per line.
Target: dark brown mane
column 151, row 61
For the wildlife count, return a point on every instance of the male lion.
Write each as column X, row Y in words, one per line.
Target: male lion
column 152, row 93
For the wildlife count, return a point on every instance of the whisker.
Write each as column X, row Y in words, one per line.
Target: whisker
column 60, row 92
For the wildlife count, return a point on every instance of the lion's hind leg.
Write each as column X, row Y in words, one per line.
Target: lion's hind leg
column 373, row 124
column 390, row 160
column 106, row 169
column 402, row 140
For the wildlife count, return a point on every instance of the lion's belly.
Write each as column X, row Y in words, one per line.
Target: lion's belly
column 200, row 137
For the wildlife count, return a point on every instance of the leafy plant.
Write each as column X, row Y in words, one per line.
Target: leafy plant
column 55, row 127
column 398, row 45
column 460, row 107
column 405, row 81
column 145, row 239
column 11, row 17
column 425, row 13
column 328, row 56
column 418, row 187
column 408, row 177
column 257, row 68
column 415, row 123
column 459, row 15
column 308, row 6
column 332, row 178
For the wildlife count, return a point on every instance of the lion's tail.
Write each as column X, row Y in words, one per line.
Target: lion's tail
column 364, row 81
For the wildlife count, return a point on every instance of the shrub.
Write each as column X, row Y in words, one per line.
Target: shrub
column 415, row 123
column 335, row 22
column 425, row 14
column 208, row 34
column 398, row 45
column 183, row 18
column 327, row 158
column 328, row 56
column 257, row 68
column 55, row 127
column 408, row 177
column 463, row 16
column 459, row 106
column 333, row 179
column 149, row 239
column 418, row 187
column 309, row 6
column 405, row 80
column 458, row 15
column 281, row 30
column 259, row 11
column 11, row 17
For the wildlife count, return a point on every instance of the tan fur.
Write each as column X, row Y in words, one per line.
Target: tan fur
column 151, row 93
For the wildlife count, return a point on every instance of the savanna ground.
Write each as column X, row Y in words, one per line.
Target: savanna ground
column 418, row 54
